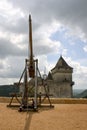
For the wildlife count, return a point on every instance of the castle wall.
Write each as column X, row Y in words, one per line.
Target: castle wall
column 60, row 90
column 59, row 77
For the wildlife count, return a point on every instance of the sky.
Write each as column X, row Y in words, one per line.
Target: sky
column 59, row 28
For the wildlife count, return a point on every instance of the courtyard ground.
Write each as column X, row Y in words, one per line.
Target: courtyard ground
column 61, row 117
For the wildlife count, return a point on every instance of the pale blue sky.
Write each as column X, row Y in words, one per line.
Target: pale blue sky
column 74, row 45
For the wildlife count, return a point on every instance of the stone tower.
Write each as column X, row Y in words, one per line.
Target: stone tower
column 60, row 79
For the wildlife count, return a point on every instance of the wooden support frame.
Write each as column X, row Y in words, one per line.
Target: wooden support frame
column 30, row 71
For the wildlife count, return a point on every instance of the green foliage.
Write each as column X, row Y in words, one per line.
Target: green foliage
column 82, row 94
column 5, row 90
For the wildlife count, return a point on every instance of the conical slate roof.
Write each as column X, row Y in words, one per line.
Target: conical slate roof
column 62, row 64
column 50, row 76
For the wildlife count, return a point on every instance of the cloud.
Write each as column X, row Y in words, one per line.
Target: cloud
column 79, row 73
column 12, row 67
column 85, row 48
column 48, row 17
column 18, row 24
column 71, row 13
column 9, row 49
column 48, row 47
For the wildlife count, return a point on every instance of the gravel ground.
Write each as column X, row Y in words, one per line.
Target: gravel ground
column 61, row 117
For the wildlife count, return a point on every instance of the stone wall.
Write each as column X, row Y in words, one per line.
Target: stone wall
column 60, row 90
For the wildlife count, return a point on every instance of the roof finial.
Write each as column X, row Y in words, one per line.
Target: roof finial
column 61, row 55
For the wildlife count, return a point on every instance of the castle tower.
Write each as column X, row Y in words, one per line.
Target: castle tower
column 60, row 79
